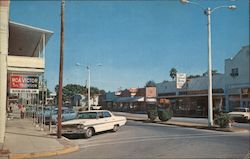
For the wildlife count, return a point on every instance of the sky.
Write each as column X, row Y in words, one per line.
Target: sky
column 127, row 43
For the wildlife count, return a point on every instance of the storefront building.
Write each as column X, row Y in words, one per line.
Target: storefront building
column 22, row 50
column 191, row 100
column 130, row 100
column 237, row 83
column 230, row 90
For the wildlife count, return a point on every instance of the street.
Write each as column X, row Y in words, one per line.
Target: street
column 148, row 140
column 204, row 121
column 183, row 119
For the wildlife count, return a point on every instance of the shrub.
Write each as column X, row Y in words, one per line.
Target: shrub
column 165, row 115
column 152, row 114
column 222, row 119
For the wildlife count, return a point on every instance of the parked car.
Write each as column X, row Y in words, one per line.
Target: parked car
column 90, row 122
column 43, row 113
column 67, row 114
column 96, row 107
column 240, row 114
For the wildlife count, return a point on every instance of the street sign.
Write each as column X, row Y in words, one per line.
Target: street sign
column 24, row 84
column 180, row 80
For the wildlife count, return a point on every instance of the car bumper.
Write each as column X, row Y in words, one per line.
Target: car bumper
column 73, row 131
column 240, row 119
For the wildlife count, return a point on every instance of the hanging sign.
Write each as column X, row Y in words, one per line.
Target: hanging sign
column 24, row 84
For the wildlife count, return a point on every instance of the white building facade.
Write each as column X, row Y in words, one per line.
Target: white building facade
column 22, row 55
column 237, row 79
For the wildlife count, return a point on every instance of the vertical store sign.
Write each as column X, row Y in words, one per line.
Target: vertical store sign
column 24, row 84
column 150, row 94
column 180, row 80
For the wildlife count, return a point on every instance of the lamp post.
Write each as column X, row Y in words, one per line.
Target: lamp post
column 208, row 11
column 88, row 68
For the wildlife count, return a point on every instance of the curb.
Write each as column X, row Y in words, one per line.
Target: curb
column 188, row 125
column 69, row 148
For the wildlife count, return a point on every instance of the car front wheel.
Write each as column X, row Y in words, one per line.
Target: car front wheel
column 116, row 128
column 89, row 132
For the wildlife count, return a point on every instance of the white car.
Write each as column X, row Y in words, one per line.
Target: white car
column 91, row 122
column 240, row 114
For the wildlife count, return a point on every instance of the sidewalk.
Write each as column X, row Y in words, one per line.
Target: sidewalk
column 199, row 123
column 24, row 140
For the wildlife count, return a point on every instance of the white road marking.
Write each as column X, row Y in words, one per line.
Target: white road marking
column 155, row 138
column 143, row 137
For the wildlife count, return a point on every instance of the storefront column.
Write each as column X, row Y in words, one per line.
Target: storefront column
column 4, row 41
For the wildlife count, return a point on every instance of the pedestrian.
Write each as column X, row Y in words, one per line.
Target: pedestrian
column 22, row 111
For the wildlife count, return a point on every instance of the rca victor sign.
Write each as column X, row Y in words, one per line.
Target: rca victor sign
column 24, row 84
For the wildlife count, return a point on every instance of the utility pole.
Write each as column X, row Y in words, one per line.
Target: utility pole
column 59, row 117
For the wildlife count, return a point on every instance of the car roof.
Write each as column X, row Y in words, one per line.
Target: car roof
column 241, row 108
column 93, row 111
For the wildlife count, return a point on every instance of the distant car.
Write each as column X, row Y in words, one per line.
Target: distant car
column 96, row 107
column 90, row 122
column 240, row 114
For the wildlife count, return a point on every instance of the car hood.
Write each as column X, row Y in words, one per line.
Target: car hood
column 75, row 121
column 238, row 113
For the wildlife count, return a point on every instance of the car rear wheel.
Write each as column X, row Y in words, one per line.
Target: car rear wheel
column 89, row 132
column 116, row 128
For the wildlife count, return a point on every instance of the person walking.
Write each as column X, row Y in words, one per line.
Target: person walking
column 22, row 111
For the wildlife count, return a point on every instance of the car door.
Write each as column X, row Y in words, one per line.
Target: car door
column 72, row 114
column 100, row 124
column 109, row 121
column 65, row 114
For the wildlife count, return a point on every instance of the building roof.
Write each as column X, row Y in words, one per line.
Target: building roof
column 235, row 56
column 130, row 99
column 199, row 83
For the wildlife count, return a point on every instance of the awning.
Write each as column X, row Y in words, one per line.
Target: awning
column 129, row 99
column 151, row 100
column 24, row 39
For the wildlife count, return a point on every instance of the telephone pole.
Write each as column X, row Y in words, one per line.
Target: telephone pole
column 59, row 118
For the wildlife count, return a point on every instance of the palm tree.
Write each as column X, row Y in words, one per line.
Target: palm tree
column 151, row 83
column 172, row 73
column 214, row 72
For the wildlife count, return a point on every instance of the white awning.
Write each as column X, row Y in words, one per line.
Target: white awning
column 24, row 39
column 151, row 100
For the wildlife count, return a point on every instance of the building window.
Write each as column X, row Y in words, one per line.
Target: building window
column 235, row 72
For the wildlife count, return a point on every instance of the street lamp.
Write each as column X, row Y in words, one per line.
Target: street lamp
column 208, row 11
column 88, row 68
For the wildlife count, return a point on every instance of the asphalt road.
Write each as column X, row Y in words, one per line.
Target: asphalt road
column 148, row 140
column 184, row 119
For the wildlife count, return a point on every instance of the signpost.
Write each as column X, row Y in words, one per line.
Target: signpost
column 180, row 80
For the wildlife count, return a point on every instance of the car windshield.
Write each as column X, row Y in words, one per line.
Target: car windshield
column 240, row 110
column 87, row 115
